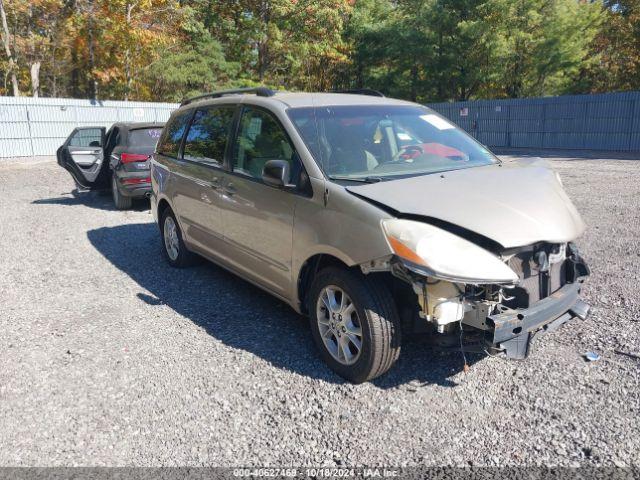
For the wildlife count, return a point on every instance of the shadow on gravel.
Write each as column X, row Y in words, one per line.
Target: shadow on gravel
column 100, row 200
column 243, row 316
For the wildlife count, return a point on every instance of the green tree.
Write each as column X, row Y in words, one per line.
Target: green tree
column 282, row 43
column 423, row 49
column 387, row 48
column 542, row 45
column 194, row 69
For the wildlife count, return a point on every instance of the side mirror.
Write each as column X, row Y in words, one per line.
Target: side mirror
column 276, row 173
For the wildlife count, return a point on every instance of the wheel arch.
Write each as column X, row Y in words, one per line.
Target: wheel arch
column 163, row 204
column 307, row 271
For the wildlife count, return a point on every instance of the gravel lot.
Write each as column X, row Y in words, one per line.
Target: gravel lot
column 110, row 357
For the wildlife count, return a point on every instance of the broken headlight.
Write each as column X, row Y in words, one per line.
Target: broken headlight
column 440, row 254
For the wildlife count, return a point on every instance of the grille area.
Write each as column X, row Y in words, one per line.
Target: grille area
column 537, row 280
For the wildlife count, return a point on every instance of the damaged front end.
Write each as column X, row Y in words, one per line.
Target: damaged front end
column 536, row 292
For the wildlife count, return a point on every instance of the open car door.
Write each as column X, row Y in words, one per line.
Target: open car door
column 82, row 155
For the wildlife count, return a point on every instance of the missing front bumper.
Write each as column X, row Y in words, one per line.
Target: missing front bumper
column 512, row 331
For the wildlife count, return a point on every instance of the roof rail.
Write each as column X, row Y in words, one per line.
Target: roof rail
column 259, row 91
column 361, row 91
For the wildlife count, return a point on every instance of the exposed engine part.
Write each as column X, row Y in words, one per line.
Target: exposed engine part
column 542, row 268
column 477, row 315
column 560, row 255
column 440, row 302
column 542, row 261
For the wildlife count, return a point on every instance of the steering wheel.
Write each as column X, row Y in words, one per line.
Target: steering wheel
column 408, row 152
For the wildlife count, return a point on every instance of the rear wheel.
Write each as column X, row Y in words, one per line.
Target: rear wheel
column 120, row 201
column 174, row 248
column 354, row 323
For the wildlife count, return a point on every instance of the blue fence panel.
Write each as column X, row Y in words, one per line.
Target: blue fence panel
column 525, row 140
column 609, row 121
column 497, row 139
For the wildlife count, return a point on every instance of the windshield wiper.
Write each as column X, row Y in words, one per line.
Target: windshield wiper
column 357, row 179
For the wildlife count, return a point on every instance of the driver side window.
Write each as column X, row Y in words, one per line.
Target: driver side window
column 261, row 138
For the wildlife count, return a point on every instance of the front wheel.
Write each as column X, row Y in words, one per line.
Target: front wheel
column 354, row 323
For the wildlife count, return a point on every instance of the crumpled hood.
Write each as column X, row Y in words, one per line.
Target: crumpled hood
column 515, row 204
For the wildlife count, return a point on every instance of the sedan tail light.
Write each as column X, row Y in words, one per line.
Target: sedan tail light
column 136, row 181
column 133, row 157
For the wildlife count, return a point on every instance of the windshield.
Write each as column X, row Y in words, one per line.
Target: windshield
column 376, row 142
column 144, row 137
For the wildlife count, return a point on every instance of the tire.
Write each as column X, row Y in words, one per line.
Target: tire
column 376, row 314
column 120, row 201
column 181, row 257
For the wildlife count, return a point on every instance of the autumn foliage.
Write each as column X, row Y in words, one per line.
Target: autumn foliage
column 419, row 49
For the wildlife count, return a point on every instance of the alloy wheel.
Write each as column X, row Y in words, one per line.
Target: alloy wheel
column 339, row 325
column 171, row 241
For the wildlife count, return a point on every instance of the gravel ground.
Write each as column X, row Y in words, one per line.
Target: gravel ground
column 109, row 357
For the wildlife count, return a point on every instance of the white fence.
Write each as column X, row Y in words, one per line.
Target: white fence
column 38, row 126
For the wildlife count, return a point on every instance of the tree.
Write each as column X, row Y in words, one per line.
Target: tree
column 386, row 47
column 543, row 44
column 283, row 43
column 616, row 49
column 6, row 40
column 195, row 69
column 465, row 42
column 131, row 35
column 423, row 50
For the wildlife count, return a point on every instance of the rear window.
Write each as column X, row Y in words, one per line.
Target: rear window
column 144, row 137
column 169, row 143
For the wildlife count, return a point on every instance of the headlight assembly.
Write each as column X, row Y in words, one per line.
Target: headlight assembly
column 443, row 255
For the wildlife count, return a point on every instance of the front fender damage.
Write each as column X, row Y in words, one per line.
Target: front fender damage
column 490, row 317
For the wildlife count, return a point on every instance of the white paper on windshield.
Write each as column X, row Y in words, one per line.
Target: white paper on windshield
column 436, row 121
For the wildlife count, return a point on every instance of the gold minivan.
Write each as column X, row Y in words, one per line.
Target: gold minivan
column 375, row 217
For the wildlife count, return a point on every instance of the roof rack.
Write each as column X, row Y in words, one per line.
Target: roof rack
column 361, row 91
column 259, row 91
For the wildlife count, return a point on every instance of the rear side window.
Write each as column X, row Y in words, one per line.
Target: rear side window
column 86, row 137
column 169, row 143
column 207, row 137
column 144, row 137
